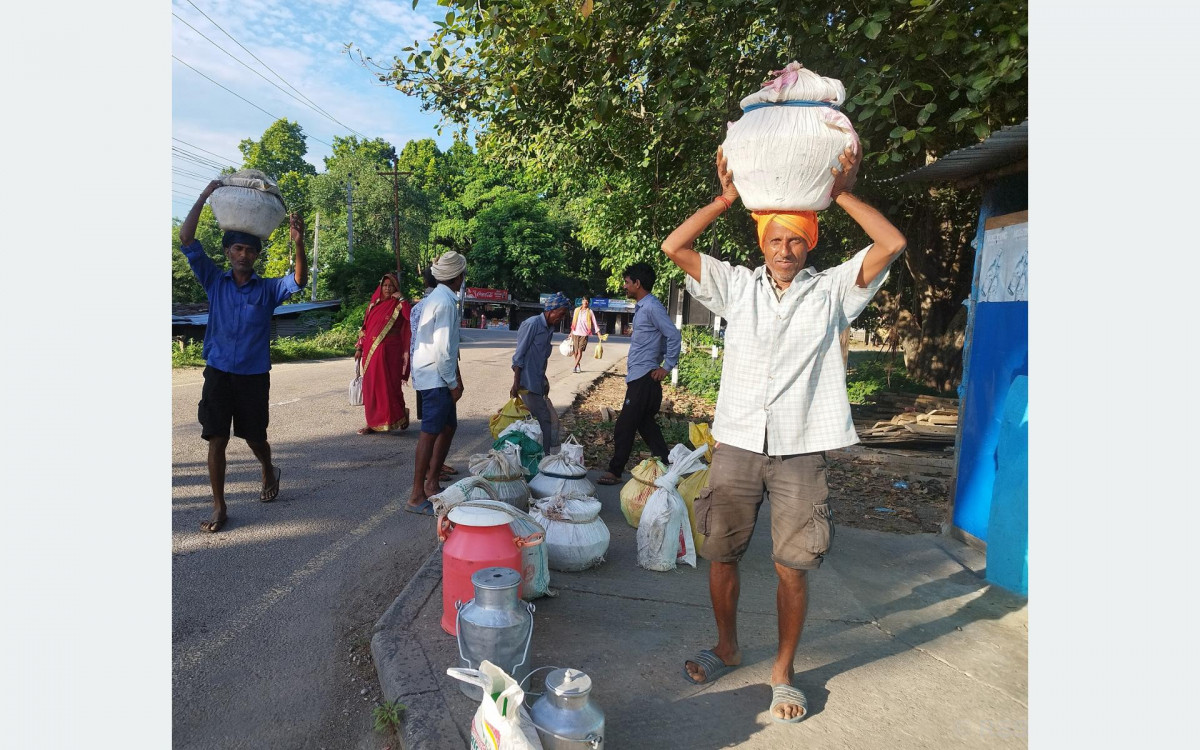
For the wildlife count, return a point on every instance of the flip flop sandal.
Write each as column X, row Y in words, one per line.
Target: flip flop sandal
column 788, row 694
column 212, row 527
column 606, row 479
column 269, row 494
column 449, row 470
column 424, row 509
column 712, row 665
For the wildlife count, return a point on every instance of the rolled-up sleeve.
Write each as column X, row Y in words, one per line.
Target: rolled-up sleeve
column 202, row 265
column 712, row 290
column 854, row 299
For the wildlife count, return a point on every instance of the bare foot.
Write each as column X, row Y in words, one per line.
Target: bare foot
column 432, row 488
column 214, row 524
column 365, row 431
column 696, row 672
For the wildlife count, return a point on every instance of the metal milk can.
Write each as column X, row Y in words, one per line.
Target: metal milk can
column 496, row 625
column 564, row 717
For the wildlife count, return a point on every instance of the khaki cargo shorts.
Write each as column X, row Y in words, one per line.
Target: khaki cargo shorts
column 801, row 521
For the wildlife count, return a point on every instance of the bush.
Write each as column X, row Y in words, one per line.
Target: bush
column 700, row 374
column 336, row 342
column 187, row 355
column 870, row 373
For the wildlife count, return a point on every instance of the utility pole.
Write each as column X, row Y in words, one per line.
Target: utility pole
column 395, row 175
column 316, row 247
column 350, row 218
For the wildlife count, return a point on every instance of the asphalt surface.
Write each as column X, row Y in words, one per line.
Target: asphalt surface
column 272, row 617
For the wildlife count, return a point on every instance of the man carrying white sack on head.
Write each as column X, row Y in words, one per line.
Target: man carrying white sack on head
column 782, row 404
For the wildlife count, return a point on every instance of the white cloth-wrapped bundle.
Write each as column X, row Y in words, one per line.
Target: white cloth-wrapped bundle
column 559, row 474
column 248, row 201
column 502, row 467
column 576, row 537
column 664, row 536
column 780, row 155
column 529, row 426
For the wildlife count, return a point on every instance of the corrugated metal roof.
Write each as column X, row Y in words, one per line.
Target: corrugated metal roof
column 1004, row 147
column 201, row 319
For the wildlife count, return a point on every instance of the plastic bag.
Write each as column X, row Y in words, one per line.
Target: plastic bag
column 566, row 348
column 699, row 434
column 664, row 538
column 512, row 411
column 573, row 449
column 356, row 397
column 501, row 721
column 528, row 425
column 531, row 450
column 689, row 489
column 637, row 490
column 576, row 537
column 559, row 474
column 781, row 155
column 599, row 353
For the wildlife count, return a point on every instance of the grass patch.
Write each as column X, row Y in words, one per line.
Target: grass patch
column 388, row 716
column 872, row 372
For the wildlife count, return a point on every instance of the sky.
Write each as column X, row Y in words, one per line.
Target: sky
column 303, row 42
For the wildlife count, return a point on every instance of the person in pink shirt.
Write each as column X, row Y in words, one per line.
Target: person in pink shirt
column 583, row 324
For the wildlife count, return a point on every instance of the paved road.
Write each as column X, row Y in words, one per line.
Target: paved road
column 272, row 616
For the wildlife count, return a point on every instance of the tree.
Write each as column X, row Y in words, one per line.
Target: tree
column 623, row 105
column 517, row 246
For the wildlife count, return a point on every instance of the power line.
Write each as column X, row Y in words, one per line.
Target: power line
column 210, row 153
column 260, row 75
column 268, row 67
column 186, row 173
column 197, row 160
column 252, row 104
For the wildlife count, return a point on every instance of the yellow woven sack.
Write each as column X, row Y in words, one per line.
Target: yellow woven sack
column 512, row 411
column 689, row 489
column 599, row 352
column 699, row 434
column 638, row 490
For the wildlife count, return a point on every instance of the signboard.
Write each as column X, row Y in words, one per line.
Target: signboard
column 487, row 295
column 619, row 305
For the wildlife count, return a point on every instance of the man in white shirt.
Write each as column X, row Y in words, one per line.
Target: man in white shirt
column 436, row 379
column 782, row 404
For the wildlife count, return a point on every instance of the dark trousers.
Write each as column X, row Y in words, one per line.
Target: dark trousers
column 643, row 397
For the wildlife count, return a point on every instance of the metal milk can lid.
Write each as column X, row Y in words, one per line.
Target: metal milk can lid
column 495, row 578
column 568, row 683
column 478, row 517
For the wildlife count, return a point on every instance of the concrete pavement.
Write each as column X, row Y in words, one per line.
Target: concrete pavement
column 905, row 646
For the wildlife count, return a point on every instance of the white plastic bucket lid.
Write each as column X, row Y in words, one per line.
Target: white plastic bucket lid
column 478, row 517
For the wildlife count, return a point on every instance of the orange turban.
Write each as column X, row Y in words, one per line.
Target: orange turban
column 803, row 223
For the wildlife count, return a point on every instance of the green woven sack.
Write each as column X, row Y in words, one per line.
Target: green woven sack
column 531, row 450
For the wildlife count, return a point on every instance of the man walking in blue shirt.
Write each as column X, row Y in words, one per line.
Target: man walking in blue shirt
column 654, row 338
column 529, row 367
column 237, row 348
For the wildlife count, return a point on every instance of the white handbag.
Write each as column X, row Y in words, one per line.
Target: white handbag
column 356, row 398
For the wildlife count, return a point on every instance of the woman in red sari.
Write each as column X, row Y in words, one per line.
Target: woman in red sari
column 383, row 350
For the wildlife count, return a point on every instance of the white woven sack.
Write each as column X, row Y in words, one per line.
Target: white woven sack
column 528, row 426
column 558, row 474
column 248, row 201
column 781, row 156
column 664, row 536
column 573, row 449
column 503, row 469
column 576, row 537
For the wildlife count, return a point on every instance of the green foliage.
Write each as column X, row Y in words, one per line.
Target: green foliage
column 700, row 374
column 336, row 342
column 870, row 372
column 187, row 355
column 184, row 286
column 517, row 245
column 701, row 337
column 388, row 716
column 280, row 154
column 354, row 281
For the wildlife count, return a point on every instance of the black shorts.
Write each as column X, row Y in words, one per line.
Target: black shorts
column 243, row 400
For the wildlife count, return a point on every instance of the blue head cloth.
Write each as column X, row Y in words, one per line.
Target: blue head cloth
column 557, row 301
column 234, row 237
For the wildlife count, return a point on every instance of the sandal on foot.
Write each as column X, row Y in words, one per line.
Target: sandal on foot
column 712, row 665
column 422, row 509
column 781, row 694
column 211, row 526
column 271, row 491
column 449, row 470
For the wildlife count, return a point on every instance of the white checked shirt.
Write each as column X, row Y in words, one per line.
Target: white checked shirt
column 435, row 354
column 783, row 378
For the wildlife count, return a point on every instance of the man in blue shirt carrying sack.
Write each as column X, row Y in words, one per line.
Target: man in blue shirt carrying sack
column 529, row 368
column 653, row 353
column 237, row 348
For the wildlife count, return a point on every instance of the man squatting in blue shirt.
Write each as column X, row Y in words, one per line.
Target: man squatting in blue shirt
column 237, row 349
column 653, row 352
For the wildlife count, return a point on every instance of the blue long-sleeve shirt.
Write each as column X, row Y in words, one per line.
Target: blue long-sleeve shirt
column 654, row 337
column 238, row 336
column 533, row 349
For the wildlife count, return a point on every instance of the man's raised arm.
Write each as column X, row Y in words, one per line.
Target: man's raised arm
column 886, row 240
column 187, row 230
column 296, row 230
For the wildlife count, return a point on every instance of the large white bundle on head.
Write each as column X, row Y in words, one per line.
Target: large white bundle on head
column 248, row 201
column 780, row 154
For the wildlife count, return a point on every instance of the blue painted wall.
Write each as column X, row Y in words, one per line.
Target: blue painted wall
column 995, row 353
column 1008, row 527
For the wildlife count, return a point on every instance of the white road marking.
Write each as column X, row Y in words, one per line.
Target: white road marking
column 249, row 615
column 281, row 403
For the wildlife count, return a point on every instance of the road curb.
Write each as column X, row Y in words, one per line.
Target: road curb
column 403, row 669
